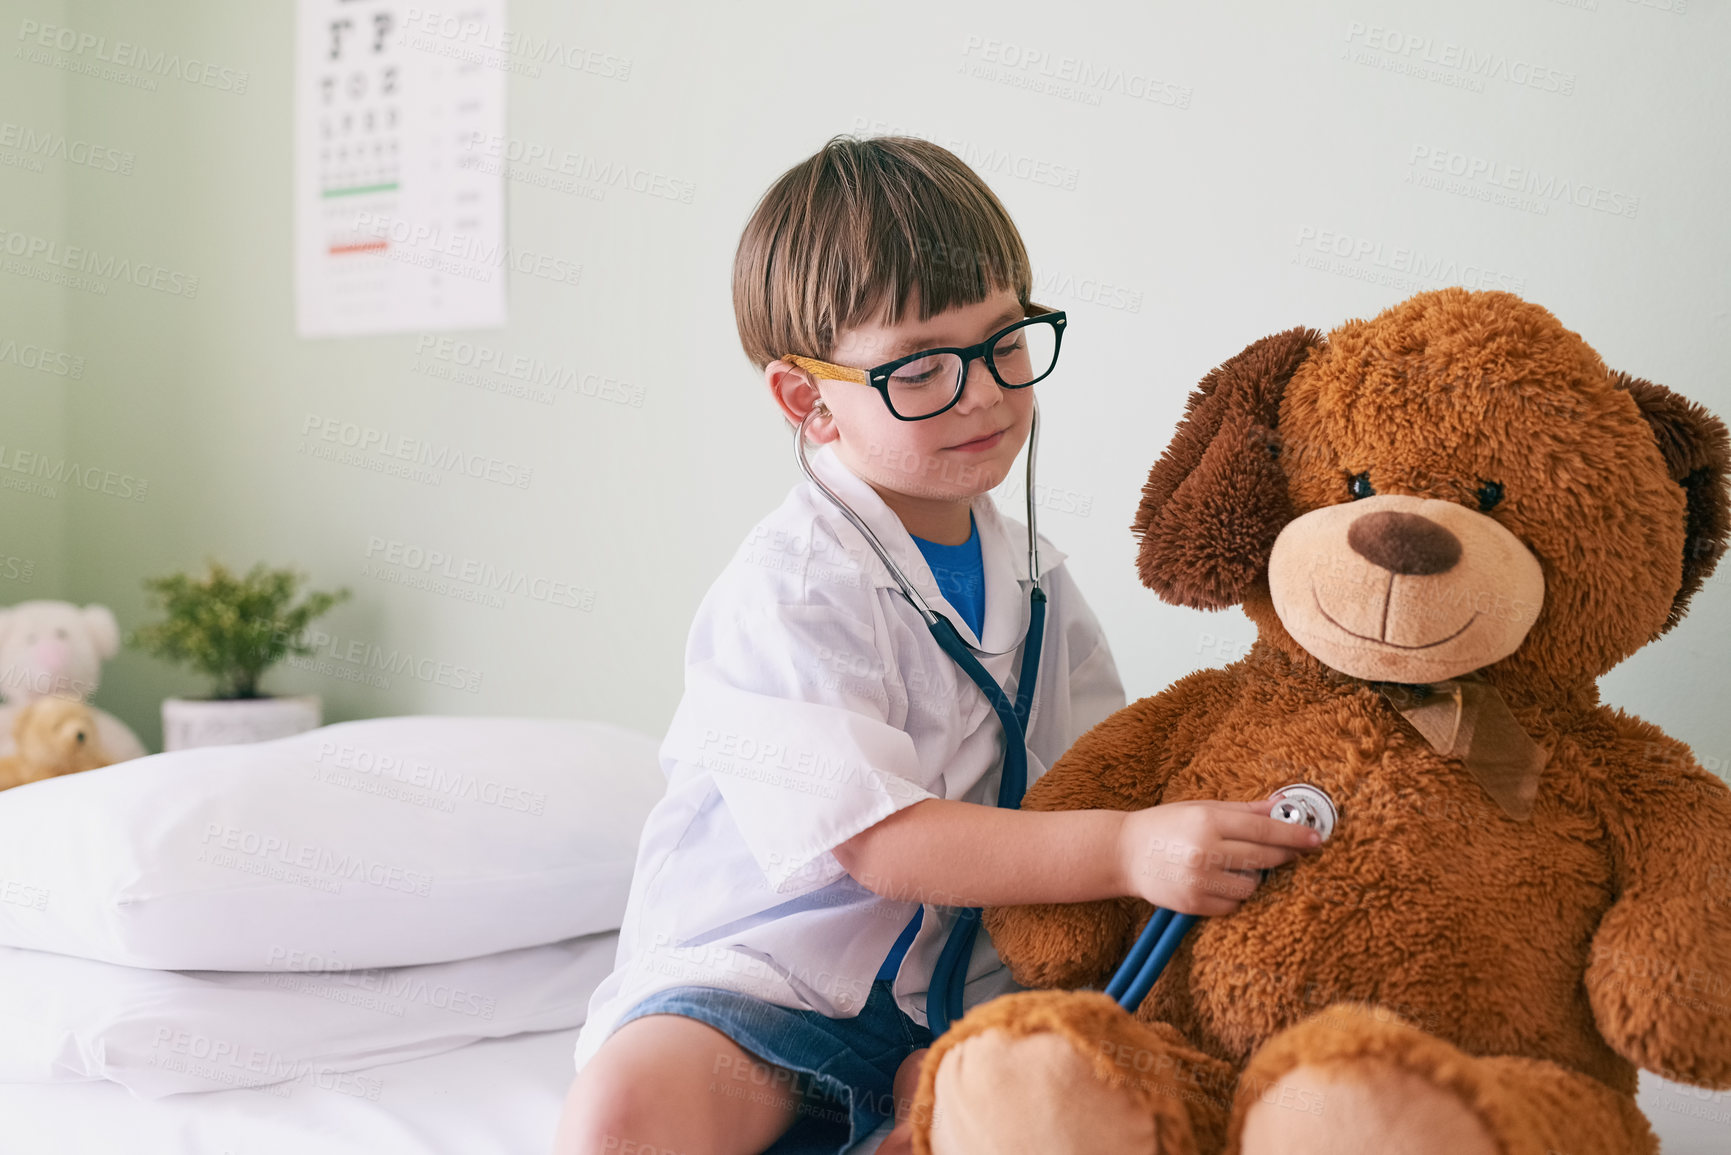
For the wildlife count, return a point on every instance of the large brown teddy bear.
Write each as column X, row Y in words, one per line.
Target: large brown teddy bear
column 1446, row 523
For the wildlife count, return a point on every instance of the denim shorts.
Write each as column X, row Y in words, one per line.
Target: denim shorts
column 844, row 1068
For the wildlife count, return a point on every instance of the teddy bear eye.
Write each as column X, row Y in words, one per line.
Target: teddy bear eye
column 1359, row 485
column 1490, row 492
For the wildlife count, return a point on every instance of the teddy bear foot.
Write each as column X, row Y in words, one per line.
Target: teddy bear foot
column 1358, row 1078
column 1035, row 1094
column 1061, row 1073
column 1368, row 1110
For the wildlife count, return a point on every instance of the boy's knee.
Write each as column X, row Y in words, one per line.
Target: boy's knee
column 610, row 1112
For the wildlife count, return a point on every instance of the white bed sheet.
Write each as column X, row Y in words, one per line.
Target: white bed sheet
column 493, row 1097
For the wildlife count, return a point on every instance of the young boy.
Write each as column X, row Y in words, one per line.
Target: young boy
column 830, row 769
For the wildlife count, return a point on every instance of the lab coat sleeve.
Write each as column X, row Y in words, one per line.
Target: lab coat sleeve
column 785, row 706
column 1096, row 692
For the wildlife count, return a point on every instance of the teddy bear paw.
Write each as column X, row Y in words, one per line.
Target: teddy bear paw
column 1005, row 1095
column 1055, row 1072
column 1366, row 1109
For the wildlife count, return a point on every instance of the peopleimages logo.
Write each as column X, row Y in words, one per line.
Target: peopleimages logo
column 1404, row 267
column 108, row 267
column 221, row 842
column 455, row 784
column 48, row 472
column 1520, row 187
column 983, row 159
column 466, row 247
column 405, row 562
column 124, row 54
column 579, row 166
column 462, row 32
column 42, row 360
column 359, row 660
column 1068, row 77
column 49, row 145
column 532, row 370
column 1417, row 49
column 435, row 455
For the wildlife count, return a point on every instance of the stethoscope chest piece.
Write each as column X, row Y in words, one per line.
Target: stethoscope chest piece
column 1305, row 805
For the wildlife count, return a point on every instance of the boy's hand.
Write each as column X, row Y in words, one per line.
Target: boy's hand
column 1203, row 857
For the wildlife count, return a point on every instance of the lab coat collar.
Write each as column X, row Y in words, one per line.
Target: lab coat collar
column 1003, row 552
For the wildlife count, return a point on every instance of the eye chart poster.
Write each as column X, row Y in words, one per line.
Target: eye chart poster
column 395, row 228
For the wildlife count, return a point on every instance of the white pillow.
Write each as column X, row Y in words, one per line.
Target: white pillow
column 383, row 842
column 169, row 1032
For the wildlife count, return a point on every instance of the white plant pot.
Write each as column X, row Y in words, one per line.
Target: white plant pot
column 188, row 722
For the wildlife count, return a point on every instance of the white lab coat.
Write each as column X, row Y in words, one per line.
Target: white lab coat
column 816, row 704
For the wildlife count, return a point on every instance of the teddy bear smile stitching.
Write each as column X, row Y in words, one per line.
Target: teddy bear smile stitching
column 1379, row 641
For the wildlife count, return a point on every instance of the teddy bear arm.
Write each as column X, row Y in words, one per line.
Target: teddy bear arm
column 1123, row 763
column 1061, row 945
column 1659, row 979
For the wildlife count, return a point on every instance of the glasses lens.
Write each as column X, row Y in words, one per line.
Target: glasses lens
column 925, row 385
column 1025, row 354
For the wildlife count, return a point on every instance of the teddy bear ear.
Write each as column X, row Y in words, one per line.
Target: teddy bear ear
column 1697, row 454
column 1216, row 499
column 104, row 630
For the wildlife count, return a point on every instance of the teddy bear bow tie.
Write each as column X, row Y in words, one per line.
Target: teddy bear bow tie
column 1466, row 718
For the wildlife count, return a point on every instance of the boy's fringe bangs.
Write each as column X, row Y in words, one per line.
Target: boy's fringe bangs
column 857, row 231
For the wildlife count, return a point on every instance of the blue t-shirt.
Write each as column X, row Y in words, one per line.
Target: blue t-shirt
column 960, row 573
column 961, row 577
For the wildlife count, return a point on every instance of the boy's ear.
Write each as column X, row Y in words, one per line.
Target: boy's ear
column 786, row 380
column 1697, row 454
column 1216, row 499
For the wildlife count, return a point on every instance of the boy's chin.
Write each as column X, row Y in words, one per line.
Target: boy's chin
column 929, row 492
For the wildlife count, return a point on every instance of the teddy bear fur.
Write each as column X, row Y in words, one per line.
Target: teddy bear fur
column 57, row 648
column 1520, row 970
column 52, row 736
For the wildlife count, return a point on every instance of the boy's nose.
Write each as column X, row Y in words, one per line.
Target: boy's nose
column 980, row 388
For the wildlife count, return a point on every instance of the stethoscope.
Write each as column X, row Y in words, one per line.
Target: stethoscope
column 1299, row 803
column 949, row 976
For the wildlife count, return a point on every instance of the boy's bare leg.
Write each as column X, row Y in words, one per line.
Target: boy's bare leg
column 675, row 1086
column 900, row 1140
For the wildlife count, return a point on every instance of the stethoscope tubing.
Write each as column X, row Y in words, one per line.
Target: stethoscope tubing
column 1148, row 958
column 949, row 975
column 930, row 616
column 1159, row 940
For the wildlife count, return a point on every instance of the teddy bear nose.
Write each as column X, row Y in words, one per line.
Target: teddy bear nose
column 1404, row 543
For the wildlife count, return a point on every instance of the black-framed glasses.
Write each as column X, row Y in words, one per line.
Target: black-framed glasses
column 925, row 384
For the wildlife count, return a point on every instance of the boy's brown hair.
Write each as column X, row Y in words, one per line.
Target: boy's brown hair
column 846, row 234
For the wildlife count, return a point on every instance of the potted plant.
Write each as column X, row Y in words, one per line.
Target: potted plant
column 233, row 629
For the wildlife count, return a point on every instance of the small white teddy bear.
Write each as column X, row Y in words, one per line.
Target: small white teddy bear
column 49, row 647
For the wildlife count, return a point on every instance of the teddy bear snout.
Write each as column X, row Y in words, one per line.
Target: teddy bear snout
column 51, row 654
column 1404, row 543
column 1402, row 588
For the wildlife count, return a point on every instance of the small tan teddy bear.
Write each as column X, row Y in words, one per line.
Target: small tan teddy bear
column 54, row 736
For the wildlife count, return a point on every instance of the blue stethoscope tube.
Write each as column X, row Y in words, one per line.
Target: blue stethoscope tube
column 1135, row 977
column 1159, row 942
column 950, row 975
